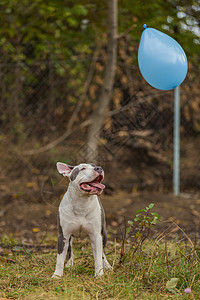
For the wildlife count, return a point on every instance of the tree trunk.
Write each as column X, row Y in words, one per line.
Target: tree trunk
column 98, row 116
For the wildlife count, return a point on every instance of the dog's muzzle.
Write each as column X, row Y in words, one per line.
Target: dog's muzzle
column 95, row 186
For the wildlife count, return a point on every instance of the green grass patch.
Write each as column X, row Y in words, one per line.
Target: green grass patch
column 148, row 273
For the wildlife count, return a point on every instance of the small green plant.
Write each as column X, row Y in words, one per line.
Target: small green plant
column 145, row 218
column 8, row 240
column 138, row 230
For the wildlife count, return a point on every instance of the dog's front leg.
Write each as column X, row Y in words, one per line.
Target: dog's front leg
column 63, row 244
column 96, row 243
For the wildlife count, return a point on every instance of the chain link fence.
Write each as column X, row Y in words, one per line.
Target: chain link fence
column 37, row 103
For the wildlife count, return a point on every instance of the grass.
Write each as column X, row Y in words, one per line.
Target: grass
column 26, row 274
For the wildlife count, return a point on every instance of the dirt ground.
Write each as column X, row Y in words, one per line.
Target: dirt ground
column 30, row 222
column 29, row 198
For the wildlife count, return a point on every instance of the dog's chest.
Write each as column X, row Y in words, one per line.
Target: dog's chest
column 80, row 223
column 80, row 229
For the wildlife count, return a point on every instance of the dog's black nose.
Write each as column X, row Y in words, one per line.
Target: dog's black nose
column 98, row 169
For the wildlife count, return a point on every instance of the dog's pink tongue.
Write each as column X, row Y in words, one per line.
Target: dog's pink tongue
column 85, row 186
column 98, row 185
column 88, row 186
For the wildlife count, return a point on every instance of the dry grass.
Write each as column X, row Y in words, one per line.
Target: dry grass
column 26, row 274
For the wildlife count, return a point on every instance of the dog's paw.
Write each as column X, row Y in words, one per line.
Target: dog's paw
column 70, row 263
column 56, row 276
column 99, row 273
column 107, row 266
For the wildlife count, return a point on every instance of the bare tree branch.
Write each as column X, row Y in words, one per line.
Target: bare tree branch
column 58, row 140
column 126, row 32
column 75, row 112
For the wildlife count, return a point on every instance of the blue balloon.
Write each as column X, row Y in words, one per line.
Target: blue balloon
column 162, row 61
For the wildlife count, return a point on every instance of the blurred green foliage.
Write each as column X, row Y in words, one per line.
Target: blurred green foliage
column 33, row 30
column 46, row 49
column 38, row 30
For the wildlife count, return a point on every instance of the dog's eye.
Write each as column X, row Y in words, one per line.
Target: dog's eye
column 83, row 169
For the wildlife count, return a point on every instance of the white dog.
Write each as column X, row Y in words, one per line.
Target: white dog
column 80, row 214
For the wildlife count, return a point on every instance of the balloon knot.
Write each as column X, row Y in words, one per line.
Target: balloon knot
column 145, row 26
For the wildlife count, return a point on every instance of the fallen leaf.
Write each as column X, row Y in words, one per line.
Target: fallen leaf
column 196, row 213
column 172, row 283
column 48, row 213
column 3, row 188
column 134, row 190
column 16, row 196
column 114, row 223
column 35, row 171
column 35, row 230
column 7, row 260
column 30, row 184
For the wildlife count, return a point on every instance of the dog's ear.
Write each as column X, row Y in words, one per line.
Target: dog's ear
column 64, row 169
